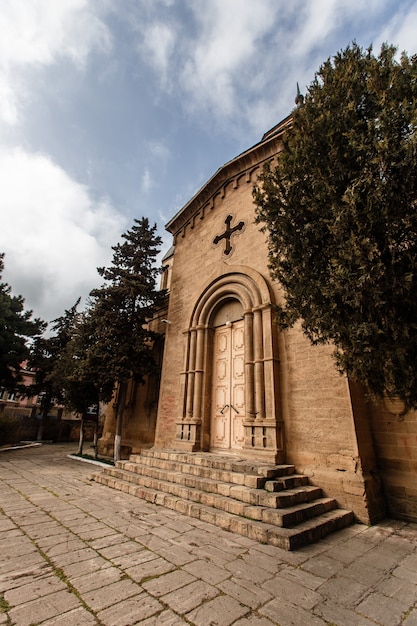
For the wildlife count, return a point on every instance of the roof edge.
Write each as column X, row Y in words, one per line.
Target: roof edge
column 268, row 137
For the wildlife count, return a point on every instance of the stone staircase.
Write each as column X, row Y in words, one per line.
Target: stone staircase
column 268, row 503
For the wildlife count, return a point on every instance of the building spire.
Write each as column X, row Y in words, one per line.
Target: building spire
column 299, row 98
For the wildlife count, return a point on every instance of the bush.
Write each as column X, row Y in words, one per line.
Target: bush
column 10, row 429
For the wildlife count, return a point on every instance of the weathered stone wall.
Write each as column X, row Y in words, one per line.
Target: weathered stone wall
column 139, row 420
column 322, row 439
column 395, row 439
column 139, row 417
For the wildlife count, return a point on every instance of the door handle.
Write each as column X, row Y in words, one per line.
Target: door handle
column 225, row 407
column 234, row 409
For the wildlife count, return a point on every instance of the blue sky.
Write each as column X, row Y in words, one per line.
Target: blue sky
column 116, row 109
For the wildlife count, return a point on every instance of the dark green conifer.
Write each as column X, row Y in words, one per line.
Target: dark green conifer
column 340, row 210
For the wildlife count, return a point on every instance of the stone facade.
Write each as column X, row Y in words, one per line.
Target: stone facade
column 232, row 383
column 395, row 436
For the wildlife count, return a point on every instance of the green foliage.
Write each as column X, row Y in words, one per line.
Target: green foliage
column 109, row 342
column 47, row 356
column 116, row 325
column 16, row 328
column 67, row 381
column 77, row 370
column 340, row 209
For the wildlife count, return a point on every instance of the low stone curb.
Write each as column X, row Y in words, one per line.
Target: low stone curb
column 83, row 460
column 20, row 447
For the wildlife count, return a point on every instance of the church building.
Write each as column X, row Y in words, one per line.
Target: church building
column 234, row 385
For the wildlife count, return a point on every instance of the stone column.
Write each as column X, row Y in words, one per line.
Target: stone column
column 249, row 367
column 269, row 365
column 259, row 365
column 198, row 373
column 188, row 429
column 191, row 374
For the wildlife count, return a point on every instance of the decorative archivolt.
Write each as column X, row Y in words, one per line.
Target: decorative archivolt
column 243, row 283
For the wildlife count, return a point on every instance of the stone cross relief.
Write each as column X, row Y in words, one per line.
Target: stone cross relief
column 227, row 234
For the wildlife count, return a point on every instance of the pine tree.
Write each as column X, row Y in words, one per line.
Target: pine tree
column 78, row 376
column 17, row 328
column 47, row 356
column 119, row 316
column 340, row 210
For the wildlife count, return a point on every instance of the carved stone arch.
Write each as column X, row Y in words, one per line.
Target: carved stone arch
column 263, row 436
column 220, row 293
column 244, row 283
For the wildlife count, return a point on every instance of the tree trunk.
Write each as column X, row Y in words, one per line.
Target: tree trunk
column 42, row 424
column 95, row 435
column 95, row 440
column 119, row 419
column 81, row 441
column 40, row 430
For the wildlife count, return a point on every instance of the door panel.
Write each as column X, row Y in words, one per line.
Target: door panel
column 220, row 430
column 237, row 391
column 228, row 397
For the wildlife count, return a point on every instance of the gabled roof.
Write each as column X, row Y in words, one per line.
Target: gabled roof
column 263, row 150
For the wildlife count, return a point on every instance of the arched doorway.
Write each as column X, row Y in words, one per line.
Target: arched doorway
column 233, row 317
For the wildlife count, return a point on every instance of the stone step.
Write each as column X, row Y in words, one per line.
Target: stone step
column 175, row 468
column 307, row 531
column 289, row 497
column 311, row 530
column 283, row 509
column 270, row 503
column 212, row 461
column 215, row 481
column 286, row 482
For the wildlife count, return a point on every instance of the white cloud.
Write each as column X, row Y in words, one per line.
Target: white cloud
column 325, row 20
column 147, row 182
column 53, row 233
column 159, row 150
column 401, row 31
column 35, row 33
column 158, row 45
column 8, row 101
column 220, row 56
column 242, row 60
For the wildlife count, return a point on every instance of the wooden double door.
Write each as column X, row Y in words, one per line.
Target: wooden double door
column 228, row 389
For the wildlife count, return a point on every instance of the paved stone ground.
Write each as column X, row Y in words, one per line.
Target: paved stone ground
column 75, row 553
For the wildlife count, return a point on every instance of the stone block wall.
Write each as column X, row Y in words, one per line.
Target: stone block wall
column 395, row 439
column 322, row 424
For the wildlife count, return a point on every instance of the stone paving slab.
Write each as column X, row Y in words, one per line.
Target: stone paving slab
column 225, row 609
column 254, row 620
column 89, row 582
column 74, row 553
column 131, row 611
column 411, row 619
column 39, row 610
column 77, row 617
column 166, row 618
column 34, row 590
column 189, row 597
column 167, row 583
